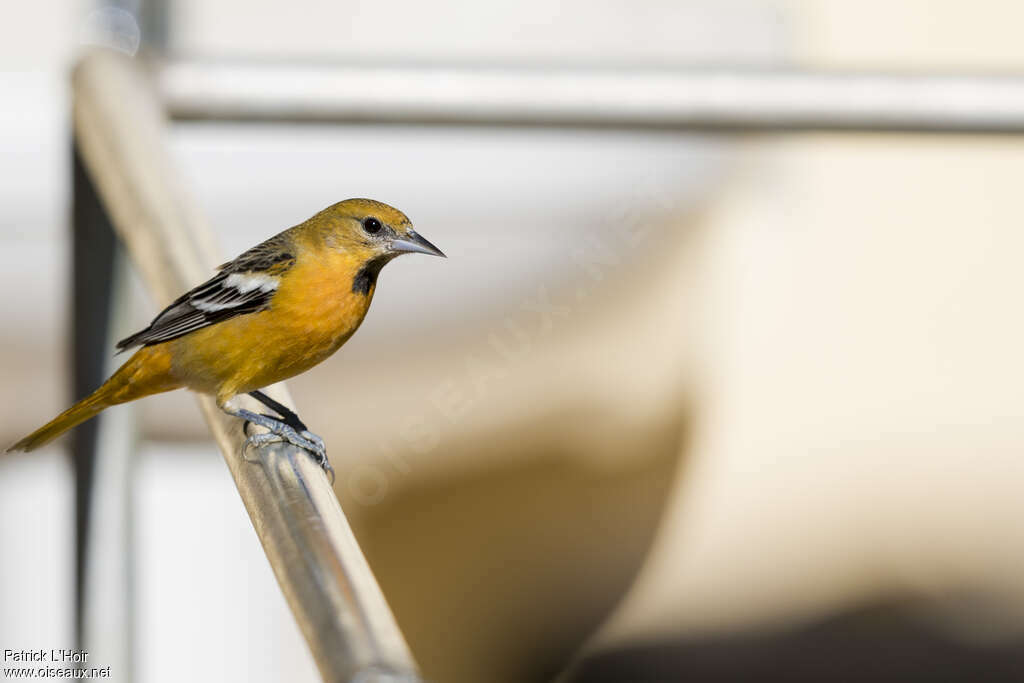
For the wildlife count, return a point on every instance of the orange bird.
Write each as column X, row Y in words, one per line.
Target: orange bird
column 274, row 312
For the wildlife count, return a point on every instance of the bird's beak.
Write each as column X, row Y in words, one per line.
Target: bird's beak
column 414, row 243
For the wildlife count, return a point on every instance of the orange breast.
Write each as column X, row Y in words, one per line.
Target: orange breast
column 312, row 314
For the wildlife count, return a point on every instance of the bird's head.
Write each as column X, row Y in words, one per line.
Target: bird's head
column 371, row 231
column 367, row 234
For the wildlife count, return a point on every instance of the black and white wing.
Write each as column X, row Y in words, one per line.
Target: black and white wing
column 245, row 285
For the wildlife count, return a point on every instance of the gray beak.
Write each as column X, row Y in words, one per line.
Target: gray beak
column 415, row 244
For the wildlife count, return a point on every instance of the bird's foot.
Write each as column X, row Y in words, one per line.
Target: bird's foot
column 281, row 432
column 319, row 450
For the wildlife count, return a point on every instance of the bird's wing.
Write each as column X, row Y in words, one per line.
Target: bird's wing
column 245, row 285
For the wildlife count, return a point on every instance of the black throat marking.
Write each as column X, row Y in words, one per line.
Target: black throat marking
column 367, row 275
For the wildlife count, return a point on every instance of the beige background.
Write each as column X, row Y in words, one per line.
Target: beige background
column 796, row 386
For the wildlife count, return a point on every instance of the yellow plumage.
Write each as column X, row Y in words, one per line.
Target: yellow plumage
column 272, row 313
column 147, row 372
column 314, row 304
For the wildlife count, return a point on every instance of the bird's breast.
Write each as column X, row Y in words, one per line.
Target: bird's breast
column 313, row 313
column 319, row 303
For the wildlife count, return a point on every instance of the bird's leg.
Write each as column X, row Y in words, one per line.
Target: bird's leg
column 290, row 417
column 289, row 430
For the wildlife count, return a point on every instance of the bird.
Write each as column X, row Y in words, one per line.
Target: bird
column 273, row 312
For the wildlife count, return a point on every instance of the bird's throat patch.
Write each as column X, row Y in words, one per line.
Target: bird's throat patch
column 366, row 277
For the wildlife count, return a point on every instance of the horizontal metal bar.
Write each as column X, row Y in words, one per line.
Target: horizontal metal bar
column 743, row 99
column 119, row 128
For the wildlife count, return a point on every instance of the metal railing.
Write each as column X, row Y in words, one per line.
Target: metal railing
column 695, row 98
column 125, row 184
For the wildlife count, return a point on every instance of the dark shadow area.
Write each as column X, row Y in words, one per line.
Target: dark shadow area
column 876, row 644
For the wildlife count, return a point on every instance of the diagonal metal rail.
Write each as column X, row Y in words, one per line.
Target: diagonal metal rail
column 119, row 127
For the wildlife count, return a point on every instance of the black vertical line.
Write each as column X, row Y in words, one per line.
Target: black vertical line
column 93, row 244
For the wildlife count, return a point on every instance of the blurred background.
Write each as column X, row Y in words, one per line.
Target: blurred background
column 678, row 405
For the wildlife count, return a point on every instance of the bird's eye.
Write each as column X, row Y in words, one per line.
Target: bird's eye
column 372, row 225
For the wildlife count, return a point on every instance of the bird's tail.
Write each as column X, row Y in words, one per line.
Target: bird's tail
column 146, row 372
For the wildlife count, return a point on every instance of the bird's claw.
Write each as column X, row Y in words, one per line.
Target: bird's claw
column 280, row 432
column 319, row 451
